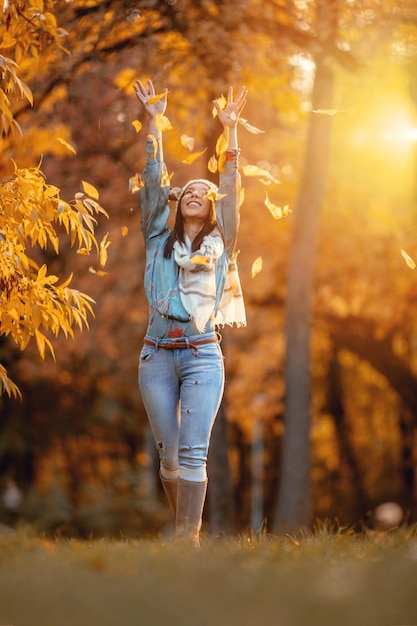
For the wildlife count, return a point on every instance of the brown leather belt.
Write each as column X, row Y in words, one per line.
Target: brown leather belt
column 173, row 345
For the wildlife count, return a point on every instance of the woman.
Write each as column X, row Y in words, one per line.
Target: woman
column 192, row 286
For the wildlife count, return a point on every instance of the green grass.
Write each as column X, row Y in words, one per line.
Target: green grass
column 323, row 579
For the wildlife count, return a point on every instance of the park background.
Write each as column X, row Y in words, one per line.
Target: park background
column 319, row 416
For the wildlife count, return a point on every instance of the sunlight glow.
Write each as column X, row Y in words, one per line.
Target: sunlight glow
column 400, row 132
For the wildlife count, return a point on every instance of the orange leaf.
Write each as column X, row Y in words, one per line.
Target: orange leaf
column 256, row 266
column 193, row 157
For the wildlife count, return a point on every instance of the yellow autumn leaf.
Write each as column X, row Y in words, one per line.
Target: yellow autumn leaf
column 162, row 123
column 67, row 145
column 256, row 266
column 407, row 258
column 125, row 231
column 137, row 125
column 42, row 342
column 265, row 176
column 249, row 127
column 135, row 183
column 83, row 251
column 104, row 244
column 222, row 103
column 125, row 79
column 212, row 164
column 97, row 272
column 221, row 144
column 193, row 157
column 277, row 212
column 156, row 97
column 188, row 142
column 221, row 161
column 90, row 190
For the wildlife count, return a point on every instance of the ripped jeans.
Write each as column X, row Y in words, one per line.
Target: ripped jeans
column 181, row 390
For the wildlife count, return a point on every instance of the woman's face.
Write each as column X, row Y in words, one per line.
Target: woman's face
column 194, row 203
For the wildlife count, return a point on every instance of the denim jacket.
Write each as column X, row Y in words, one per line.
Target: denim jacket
column 167, row 315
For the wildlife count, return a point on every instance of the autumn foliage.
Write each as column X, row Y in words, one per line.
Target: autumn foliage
column 78, row 441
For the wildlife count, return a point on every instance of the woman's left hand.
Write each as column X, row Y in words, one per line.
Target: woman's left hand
column 229, row 116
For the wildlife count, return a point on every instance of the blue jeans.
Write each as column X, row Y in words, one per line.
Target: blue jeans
column 181, row 390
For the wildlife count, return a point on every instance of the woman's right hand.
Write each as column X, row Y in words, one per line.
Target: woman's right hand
column 146, row 95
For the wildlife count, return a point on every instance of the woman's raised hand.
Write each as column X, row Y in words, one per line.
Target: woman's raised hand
column 229, row 116
column 152, row 104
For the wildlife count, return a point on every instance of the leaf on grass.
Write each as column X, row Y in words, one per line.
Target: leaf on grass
column 67, row 145
column 256, row 266
column 407, row 258
column 188, row 142
column 277, row 212
column 193, row 157
column 90, row 190
column 137, row 125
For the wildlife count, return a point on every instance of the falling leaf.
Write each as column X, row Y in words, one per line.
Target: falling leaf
column 162, row 123
column 137, row 125
column 125, row 80
column 222, row 103
column 256, row 266
column 212, row 196
column 192, row 157
column 125, row 231
column 328, row 111
column 250, row 128
column 212, row 164
column 97, row 272
column 68, row 146
column 221, row 161
column 277, row 212
column 188, row 142
column 135, row 183
column 90, row 190
column 104, row 244
column 157, row 97
column 265, row 176
column 166, row 178
column 407, row 258
column 221, row 144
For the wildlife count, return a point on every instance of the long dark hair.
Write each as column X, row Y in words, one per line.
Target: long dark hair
column 177, row 233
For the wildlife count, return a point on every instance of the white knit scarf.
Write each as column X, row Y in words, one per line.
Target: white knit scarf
column 197, row 283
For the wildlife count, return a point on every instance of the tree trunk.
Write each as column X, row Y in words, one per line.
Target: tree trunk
column 220, row 493
column 293, row 505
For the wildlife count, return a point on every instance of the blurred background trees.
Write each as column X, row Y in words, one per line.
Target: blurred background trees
column 77, row 444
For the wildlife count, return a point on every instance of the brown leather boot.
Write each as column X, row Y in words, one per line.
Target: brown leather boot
column 190, row 504
column 170, row 488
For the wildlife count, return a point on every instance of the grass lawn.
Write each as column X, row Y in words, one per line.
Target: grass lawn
column 322, row 579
